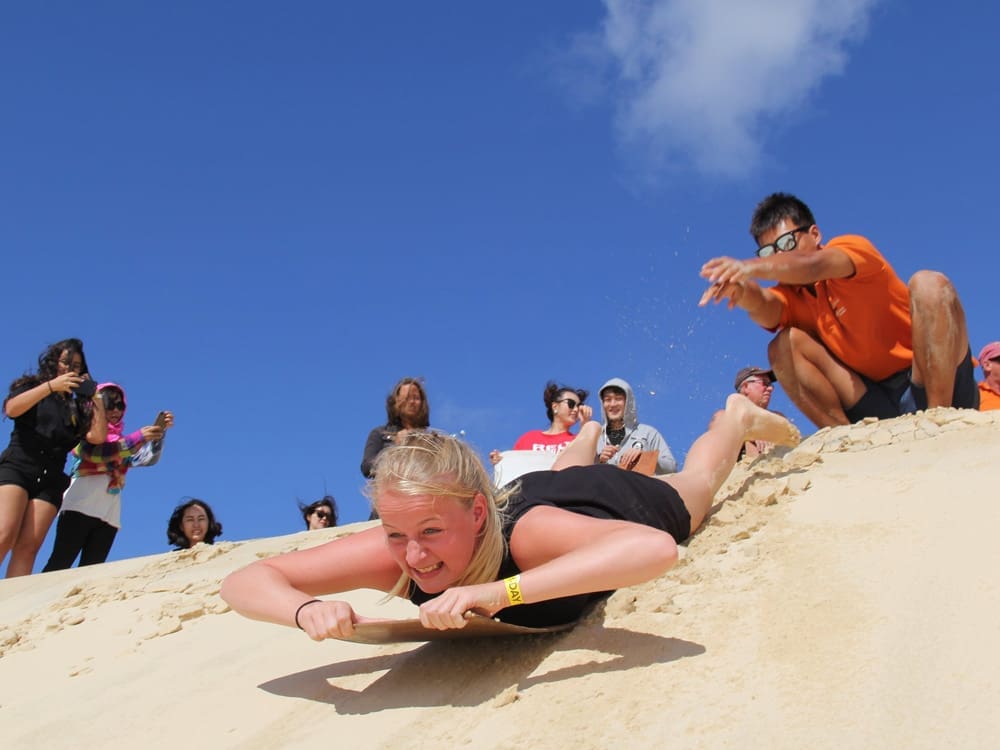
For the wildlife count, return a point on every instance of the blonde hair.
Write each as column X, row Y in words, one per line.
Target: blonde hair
column 427, row 463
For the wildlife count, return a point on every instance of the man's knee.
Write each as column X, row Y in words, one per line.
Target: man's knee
column 931, row 286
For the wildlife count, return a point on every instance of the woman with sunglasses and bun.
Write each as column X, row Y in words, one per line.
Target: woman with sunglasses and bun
column 321, row 514
column 53, row 410
column 92, row 506
column 564, row 407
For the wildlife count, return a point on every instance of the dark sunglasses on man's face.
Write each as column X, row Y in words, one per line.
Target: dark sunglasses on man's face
column 570, row 402
column 784, row 244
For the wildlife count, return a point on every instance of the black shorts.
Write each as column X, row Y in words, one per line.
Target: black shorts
column 40, row 481
column 898, row 395
column 603, row 491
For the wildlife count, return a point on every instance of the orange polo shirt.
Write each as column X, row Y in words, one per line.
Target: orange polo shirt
column 988, row 398
column 863, row 320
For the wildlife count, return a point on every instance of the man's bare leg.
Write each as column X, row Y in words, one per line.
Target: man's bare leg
column 816, row 382
column 940, row 336
column 713, row 455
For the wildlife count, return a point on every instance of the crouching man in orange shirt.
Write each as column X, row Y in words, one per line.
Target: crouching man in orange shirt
column 853, row 340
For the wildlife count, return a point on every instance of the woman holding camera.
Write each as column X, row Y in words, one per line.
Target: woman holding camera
column 53, row 410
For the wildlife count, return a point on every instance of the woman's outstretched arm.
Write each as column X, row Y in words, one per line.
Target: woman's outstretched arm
column 272, row 590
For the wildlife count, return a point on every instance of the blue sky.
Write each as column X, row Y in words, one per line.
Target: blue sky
column 261, row 215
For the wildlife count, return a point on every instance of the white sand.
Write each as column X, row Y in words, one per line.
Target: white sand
column 845, row 594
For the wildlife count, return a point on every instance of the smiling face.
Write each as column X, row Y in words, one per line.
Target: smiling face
column 613, row 401
column 432, row 539
column 566, row 409
column 194, row 524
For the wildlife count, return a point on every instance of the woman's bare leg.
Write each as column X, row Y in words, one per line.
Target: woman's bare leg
column 582, row 451
column 38, row 517
column 714, row 454
column 13, row 501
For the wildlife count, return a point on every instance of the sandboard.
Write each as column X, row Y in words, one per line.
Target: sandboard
column 411, row 631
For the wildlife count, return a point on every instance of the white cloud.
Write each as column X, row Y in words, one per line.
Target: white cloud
column 698, row 81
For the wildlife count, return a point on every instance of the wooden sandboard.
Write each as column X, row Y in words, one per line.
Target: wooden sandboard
column 411, row 631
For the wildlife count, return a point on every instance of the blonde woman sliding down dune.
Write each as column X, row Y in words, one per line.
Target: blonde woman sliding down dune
column 536, row 552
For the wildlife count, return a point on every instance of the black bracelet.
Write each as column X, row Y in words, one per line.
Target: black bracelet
column 301, row 606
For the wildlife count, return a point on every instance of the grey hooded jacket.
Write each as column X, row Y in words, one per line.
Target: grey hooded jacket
column 641, row 436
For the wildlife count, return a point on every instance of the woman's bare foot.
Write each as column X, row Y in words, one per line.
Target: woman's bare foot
column 761, row 424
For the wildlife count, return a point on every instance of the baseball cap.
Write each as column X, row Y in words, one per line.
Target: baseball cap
column 749, row 372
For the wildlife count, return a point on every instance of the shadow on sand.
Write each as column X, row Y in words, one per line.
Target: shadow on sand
column 471, row 672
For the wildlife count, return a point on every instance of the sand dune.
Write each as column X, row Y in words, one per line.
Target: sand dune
column 845, row 593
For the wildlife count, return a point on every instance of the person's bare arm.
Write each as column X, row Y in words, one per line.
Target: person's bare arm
column 736, row 280
column 785, row 268
column 272, row 590
column 98, row 431
column 22, row 402
column 763, row 306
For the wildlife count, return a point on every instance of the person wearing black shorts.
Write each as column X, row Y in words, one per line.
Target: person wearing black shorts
column 53, row 410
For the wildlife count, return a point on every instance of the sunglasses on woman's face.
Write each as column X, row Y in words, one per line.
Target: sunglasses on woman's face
column 570, row 403
column 322, row 515
column 110, row 404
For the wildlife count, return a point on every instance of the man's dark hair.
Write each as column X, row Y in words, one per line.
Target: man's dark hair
column 778, row 207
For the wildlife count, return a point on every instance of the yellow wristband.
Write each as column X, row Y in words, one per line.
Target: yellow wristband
column 513, row 587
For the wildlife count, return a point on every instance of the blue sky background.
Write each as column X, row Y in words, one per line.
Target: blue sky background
column 261, row 215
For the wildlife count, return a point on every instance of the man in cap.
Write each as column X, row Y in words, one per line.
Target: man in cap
column 623, row 439
column 853, row 340
column 989, row 389
column 757, row 384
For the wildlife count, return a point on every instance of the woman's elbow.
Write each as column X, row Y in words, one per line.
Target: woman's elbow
column 236, row 583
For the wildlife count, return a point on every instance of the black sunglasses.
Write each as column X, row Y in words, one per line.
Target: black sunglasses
column 322, row 515
column 112, row 400
column 784, row 244
column 570, row 402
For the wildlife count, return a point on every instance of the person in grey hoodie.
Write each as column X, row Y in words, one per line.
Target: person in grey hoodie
column 623, row 438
